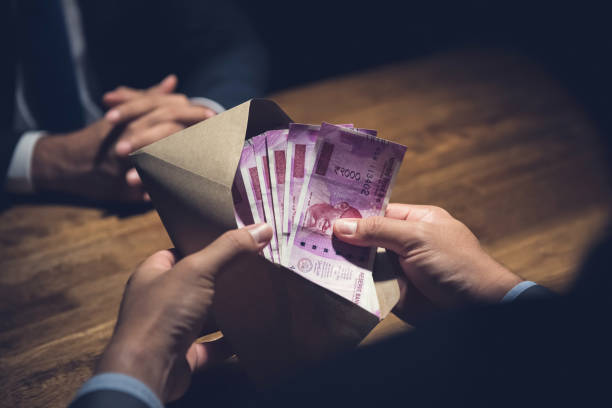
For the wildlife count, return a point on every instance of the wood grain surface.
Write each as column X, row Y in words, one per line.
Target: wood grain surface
column 490, row 137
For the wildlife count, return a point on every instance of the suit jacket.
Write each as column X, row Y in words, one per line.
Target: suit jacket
column 539, row 350
column 209, row 44
column 108, row 398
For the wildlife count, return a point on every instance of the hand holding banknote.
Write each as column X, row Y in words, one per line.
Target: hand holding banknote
column 438, row 254
column 301, row 179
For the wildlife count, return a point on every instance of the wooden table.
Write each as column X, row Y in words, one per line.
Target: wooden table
column 490, row 137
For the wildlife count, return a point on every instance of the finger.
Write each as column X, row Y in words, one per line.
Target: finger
column 133, row 142
column 193, row 114
column 210, row 260
column 131, row 109
column 383, row 232
column 412, row 212
column 187, row 115
column 132, row 178
column 140, row 106
column 201, row 355
column 131, row 194
column 166, row 85
column 120, row 95
column 164, row 259
column 124, row 93
column 413, row 307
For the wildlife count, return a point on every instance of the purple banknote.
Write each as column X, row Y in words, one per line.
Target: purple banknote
column 300, row 153
column 250, row 177
column 351, row 178
column 242, row 208
column 276, row 141
column 263, row 172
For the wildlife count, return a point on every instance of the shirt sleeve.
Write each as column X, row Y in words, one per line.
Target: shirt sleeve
column 120, row 383
column 19, row 174
column 517, row 290
column 207, row 103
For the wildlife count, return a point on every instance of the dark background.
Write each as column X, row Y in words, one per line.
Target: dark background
column 311, row 40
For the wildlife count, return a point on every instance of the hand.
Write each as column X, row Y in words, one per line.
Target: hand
column 83, row 163
column 152, row 114
column 164, row 308
column 123, row 94
column 438, row 255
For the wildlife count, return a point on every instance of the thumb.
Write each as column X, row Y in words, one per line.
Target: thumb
column 166, row 86
column 383, row 232
column 210, row 260
column 154, row 266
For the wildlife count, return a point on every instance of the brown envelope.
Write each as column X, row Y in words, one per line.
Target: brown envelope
column 276, row 320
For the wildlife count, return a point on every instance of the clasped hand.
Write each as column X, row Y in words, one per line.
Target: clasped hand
column 92, row 162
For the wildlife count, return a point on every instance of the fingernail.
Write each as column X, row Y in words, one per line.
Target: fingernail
column 261, row 233
column 112, row 115
column 132, row 177
column 346, row 227
column 123, row 148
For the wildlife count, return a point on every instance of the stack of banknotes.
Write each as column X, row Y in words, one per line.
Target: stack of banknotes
column 300, row 181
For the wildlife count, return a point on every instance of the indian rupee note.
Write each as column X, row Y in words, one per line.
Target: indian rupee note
column 250, row 177
column 263, row 172
column 277, row 145
column 242, row 207
column 300, row 154
column 351, row 178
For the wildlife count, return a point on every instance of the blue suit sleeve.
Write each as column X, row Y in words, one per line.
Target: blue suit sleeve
column 526, row 290
column 116, row 390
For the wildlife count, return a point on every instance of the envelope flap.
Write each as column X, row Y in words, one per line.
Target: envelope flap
column 196, row 166
column 210, row 149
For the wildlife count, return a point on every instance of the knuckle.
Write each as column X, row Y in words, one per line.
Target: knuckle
column 235, row 241
column 164, row 113
column 372, row 227
column 181, row 99
column 150, row 101
column 419, row 235
column 438, row 212
column 171, row 128
column 172, row 111
column 190, row 263
column 133, row 127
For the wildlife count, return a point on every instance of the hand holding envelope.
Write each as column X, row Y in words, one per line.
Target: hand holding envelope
column 277, row 318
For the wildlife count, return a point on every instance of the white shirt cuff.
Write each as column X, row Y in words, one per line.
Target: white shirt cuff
column 19, row 174
column 517, row 290
column 122, row 383
column 208, row 103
